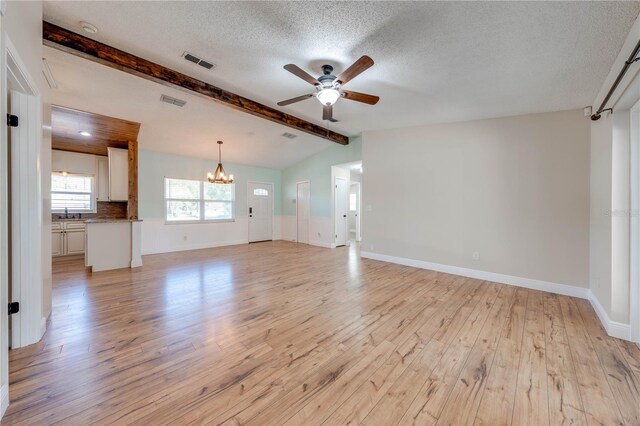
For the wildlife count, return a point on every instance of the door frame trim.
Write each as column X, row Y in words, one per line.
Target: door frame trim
column 298, row 183
column 634, row 225
column 273, row 213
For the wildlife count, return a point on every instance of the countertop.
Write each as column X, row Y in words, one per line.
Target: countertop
column 111, row 220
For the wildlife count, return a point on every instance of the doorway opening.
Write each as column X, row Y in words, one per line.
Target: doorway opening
column 354, row 212
column 346, row 202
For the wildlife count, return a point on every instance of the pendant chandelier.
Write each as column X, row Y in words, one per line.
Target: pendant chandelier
column 219, row 176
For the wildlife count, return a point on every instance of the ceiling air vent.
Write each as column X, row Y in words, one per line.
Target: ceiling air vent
column 289, row 135
column 173, row 101
column 198, row 61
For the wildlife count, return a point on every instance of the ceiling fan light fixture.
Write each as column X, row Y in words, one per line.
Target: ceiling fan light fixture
column 328, row 96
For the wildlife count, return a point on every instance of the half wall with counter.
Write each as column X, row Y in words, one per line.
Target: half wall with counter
column 113, row 244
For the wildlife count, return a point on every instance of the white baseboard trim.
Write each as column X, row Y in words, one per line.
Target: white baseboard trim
column 136, row 263
column 4, row 399
column 43, row 326
column 564, row 289
column 321, row 244
column 195, row 247
column 613, row 328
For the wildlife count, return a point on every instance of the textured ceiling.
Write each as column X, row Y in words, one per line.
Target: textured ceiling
column 435, row 61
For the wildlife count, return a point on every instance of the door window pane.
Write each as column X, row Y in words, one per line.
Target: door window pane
column 261, row 191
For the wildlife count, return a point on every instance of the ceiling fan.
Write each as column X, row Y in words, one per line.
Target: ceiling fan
column 329, row 87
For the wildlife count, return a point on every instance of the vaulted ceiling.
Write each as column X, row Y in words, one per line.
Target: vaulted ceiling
column 435, row 62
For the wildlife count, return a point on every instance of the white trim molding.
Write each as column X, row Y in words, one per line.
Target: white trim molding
column 4, row 399
column 564, row 289
column 613, row 328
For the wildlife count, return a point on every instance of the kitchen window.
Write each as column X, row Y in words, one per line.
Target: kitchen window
column 198, row 201
column 73, row 192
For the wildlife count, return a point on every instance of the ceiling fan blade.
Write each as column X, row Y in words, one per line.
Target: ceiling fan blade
column 296, row 70
column 360, row 97
column 327, row 112
column 294, row 100
column 355, row 69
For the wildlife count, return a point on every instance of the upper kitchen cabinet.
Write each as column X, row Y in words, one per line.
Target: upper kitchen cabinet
column 118, row 174
column 102, row 172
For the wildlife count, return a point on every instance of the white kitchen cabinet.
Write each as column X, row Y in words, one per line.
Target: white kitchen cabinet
column 75, row 242
column 67, row 238
column 118, row 174
column 57, row 247
column 102, row 184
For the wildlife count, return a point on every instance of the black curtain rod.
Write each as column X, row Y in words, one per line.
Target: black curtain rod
column 632, row 58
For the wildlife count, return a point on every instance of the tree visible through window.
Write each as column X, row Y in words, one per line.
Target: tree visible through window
column 73, row 192
column 194, row 200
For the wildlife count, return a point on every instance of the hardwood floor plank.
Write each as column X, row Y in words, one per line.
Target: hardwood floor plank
column 565, row 404
column 434, row 393
column 496, row 406
column 598, row 400
column 624, row 385
column 465, row 397
column 532, row 401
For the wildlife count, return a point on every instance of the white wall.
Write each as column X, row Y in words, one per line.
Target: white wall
column 514, row 189
column 160, row 237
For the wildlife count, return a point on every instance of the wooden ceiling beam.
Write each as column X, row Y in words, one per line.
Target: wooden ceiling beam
column 78, row 45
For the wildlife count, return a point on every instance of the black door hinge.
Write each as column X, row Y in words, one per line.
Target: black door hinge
column 12, row 120
column 14, row 307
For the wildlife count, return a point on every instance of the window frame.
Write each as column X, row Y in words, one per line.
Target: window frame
column 93, row 195
column 199, row 200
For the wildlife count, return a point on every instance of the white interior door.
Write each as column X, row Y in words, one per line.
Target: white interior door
column 260, row 211
column 341, row 220
column 302, row 209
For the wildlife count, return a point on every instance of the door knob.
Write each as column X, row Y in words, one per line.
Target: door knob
column 344, row 215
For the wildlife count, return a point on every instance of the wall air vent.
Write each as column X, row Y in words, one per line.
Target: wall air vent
column 289, row 135
column 198, row 61
column 173, row 101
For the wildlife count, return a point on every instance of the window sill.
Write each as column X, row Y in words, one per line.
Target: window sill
column 194, row 222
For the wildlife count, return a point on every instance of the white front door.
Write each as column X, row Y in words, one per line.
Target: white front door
column 341, row 211
column 302, row 212
column 260, row 211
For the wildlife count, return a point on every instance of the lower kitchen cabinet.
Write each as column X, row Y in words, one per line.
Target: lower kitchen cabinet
column 67, row 238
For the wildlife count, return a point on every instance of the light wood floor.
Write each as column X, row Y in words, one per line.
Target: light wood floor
column 276, row 333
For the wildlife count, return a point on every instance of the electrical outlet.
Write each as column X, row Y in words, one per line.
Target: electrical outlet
column 476, row 255
column 184, row 238
column 319, row 234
